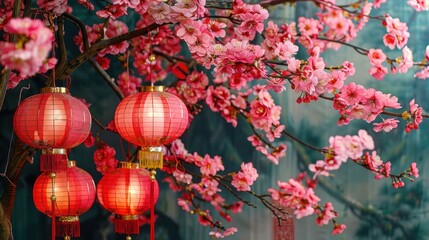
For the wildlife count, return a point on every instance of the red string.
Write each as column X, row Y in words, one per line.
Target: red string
column 53, row 220
column 152, row 209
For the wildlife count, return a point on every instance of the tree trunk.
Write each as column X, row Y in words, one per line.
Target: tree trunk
column 20, row 156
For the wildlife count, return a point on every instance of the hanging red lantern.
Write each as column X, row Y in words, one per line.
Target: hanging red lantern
column 64, row 195
column 125, row 192
column 151, row 119
column 52, row 121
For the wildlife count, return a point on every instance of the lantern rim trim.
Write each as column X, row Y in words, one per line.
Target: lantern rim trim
column 152, row 88
column 127, row 217
column 54, row 151
column 129, row 165
column 55, row 90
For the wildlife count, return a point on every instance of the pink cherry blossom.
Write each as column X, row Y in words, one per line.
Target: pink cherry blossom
column 210, row 166
column 182, row 176
column 128, row 84
column 376, row 56
column 58, row 7
column 377, row 3
column 255, row 140
column 389, row 41
column 423, row 74
column 227, row 232
column 338, row 229
column 86, row 4
column 318, row 168
column 419, row 5
column 326, row 215
column 29, row 54
column 387, row 125
column 129, row 3
column 244, row 178
column 397, row 33
column 189, row 31
column 285, row 50
column 378, row 72
column 407, row 60
column 414, row 171
column 112, row 11
column 184, row 204
column 366, row 140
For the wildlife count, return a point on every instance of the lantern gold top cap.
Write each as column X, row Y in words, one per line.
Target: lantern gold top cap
column 130, row 165
column 152, row 89
column 55, row 90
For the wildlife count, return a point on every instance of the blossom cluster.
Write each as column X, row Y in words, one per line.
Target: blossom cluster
column 28, row 55
column 340, row 150
column 97, row 32
column 104, row 159
column 208, row 187
column 356, row 102
column 302, row 199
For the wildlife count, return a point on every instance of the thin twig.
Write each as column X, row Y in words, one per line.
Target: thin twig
column 107, row 78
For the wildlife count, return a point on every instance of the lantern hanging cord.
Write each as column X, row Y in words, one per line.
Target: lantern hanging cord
column 128, row 69
column 53, row 69
column 11, row 140
column 151, row 57
column 152, row 204
column 53, row 200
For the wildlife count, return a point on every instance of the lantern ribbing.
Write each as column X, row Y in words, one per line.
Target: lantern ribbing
column 126, row 192
column 64, row 195
column 52, row 120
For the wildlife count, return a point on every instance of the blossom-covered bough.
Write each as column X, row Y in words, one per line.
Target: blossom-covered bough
column 211, row 51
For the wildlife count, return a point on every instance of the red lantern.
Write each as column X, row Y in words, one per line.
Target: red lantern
column 125, row 192
column 64, row 195
column 151, row 119
column 52, row 121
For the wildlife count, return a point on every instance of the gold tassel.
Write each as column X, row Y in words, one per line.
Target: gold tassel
column 151, row 157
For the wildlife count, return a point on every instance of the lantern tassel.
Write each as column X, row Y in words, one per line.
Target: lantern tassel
column 151, row 158
column 53, row 161
column 127, row 224
column 68, row 226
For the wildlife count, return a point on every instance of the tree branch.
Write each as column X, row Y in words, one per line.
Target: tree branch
column 107, row 78
column 94, row 49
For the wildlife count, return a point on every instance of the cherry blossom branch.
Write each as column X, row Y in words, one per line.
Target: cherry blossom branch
column 203, row 214
column 172, row 59
column 352, row 203
column 61, row 44
column 94, row 63
column 303, row 143
column 82, row 28
column 220, row 181
column 96, row 121
column 109, row 80
column 94, row 49
column 276, row 210
column 272, row 207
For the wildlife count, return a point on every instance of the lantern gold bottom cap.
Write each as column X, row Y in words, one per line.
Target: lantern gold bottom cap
column 127, row 217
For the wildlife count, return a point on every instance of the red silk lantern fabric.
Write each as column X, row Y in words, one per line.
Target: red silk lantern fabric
column 151, row 118
column 126, row 192
column 74, row 191
column 52, row 119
